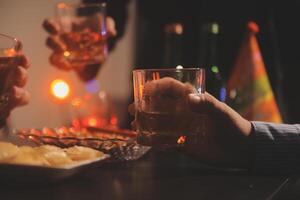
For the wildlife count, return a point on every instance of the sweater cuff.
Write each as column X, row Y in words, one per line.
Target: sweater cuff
column 277, row 148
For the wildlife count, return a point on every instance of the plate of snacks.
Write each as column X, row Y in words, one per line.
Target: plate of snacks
column 120, row 144
column 45, row 162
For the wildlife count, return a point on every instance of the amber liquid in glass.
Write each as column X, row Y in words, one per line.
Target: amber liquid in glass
column 84, row 48
column 8, row 67
column 169, row 129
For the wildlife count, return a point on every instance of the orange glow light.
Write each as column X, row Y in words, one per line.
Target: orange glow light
column 181, row 140
column 67, row 53
column 10, row 52
column 92, row 122
column 61, row 5
column 60, row 89
column 141, row 88
column 114, row 121
column 155, row 76
column 76, row 102
column 76, row 123
column 87, row 97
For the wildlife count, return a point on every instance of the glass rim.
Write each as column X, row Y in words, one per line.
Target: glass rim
column 16, row 45
column 169, row 69
column 64, row 5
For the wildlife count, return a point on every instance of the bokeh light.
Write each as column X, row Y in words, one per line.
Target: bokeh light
column 60, row 89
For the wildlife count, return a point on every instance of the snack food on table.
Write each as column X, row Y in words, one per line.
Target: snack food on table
column 79, row 153
column 7, row 150
column 120, row 144
column 46, row 155
column 28, row 157
column 57, row 158
column 26, row 149
column 103, row 139
column 47, row 148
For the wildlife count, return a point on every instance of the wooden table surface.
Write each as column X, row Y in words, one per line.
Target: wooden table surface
column 158, row 175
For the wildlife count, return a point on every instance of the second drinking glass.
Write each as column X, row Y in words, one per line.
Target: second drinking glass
column 83, row 31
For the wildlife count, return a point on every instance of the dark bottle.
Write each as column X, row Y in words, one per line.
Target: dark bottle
column 173, row 45
column 208, row 58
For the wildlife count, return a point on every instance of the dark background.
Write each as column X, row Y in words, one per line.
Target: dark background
column 278, row 37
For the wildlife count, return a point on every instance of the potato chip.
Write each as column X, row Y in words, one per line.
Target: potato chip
column 79, row 153
column 28, row 157
column 7, row 151
column 48, row 148
column 45, row 155
column 26, row 149
column 56, row 157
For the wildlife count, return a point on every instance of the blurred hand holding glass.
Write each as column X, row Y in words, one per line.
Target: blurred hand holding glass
column 10, row 48
column 78, row 38
column 162, row 115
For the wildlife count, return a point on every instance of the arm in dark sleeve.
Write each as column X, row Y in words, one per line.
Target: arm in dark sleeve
column 277, row 148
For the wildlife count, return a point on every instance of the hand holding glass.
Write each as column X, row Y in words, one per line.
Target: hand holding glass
column 10, row 59
column 162, row 115
column 78, row 38
column 83, row 30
